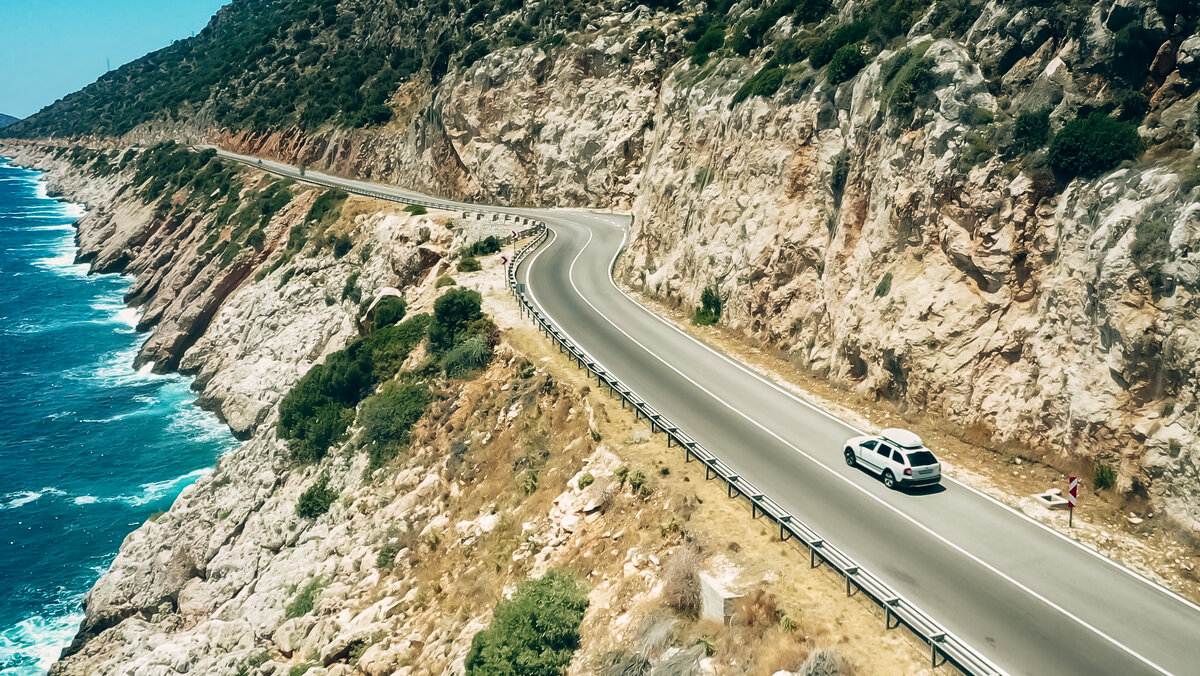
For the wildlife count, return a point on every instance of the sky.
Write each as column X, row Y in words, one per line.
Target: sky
column 50, row 48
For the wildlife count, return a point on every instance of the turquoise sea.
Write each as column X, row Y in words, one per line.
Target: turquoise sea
column 89, row 447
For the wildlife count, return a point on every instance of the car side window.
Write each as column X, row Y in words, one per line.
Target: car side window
column 897, row 458
column 884, row 450
column 869, row 445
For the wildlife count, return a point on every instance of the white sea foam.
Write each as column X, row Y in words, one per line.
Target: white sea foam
column 22, row 498
column 31, row 645
column 151, row 491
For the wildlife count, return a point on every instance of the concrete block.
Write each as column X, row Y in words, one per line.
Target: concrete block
column 716, row 602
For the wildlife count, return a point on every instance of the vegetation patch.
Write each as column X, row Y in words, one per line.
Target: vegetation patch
column 763, row 83
column 1151, row 249
column 1031, row 130
column 304, row 601
column 316, row 413
column 389, row 310
column 885, row 286
column 389, row 416
column 536, row 632
column 316, row 499
column 847, row 61
column 849, row 34
column 906, row 78
column 1092, row 145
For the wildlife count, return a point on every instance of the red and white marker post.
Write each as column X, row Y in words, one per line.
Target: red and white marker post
column 1072, row 497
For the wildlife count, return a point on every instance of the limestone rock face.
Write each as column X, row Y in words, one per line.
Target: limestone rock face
column 948, row 273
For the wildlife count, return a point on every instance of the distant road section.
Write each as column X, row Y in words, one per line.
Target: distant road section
column 1029, row 599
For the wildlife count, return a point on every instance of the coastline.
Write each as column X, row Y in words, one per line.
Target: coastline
column 38, row 638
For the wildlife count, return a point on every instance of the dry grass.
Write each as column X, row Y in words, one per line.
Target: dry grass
column 757, row 610
column 681, row 581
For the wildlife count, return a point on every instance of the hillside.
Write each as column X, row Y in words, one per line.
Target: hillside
column 6, row 120
column 978, row 212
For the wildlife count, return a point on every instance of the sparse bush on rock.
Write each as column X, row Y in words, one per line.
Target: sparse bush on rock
column 681, row 581
column 316, row 499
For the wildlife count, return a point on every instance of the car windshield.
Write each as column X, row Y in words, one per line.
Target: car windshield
column 920, row 458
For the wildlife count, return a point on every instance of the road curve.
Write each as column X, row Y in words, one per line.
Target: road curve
column 1027, row 598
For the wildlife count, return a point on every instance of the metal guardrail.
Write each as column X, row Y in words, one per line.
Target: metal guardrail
column 944, row 647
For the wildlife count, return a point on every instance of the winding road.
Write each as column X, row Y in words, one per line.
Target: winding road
column 1031, row 600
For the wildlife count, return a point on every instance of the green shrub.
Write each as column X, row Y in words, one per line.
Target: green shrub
column 885, row 286
column 822, row 53
column 316, row 499
column 709, row 311
column 416, row 209
column 466, row 357
column 469, row 263
column 764, row 83
column 453, row 311
column 484, row 247
column 327, row 207
column 443, row 281
column 712, row 40
column 305, row 600
column 586, row 479
column 301, row 669
column 1031, row 130
column 256, row 238
column 907, row 77
column 978, row 148
column 351, row 289
column 793, row 51
column 535, row 633
column 1134, row 47
column 388, row 417
column 847, row 61
column 389, row 310
column 1104, row 476
column 977, row 116
column 1133, row 104
column 1092, row 145
column 892, row 18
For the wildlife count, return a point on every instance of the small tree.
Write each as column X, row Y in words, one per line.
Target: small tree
column 452, row 312
column 389, row 310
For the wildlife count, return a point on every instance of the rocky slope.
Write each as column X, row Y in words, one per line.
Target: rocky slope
column 507, row 475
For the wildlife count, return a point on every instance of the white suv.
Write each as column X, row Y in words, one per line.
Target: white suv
column 896, row 455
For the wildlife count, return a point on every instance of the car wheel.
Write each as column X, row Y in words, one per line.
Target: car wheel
column 850, row 459
column 889, row 480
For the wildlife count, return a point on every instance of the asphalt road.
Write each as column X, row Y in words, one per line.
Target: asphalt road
column 1027, row 598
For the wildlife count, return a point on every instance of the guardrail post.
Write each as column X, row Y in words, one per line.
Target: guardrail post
column 853, row 570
